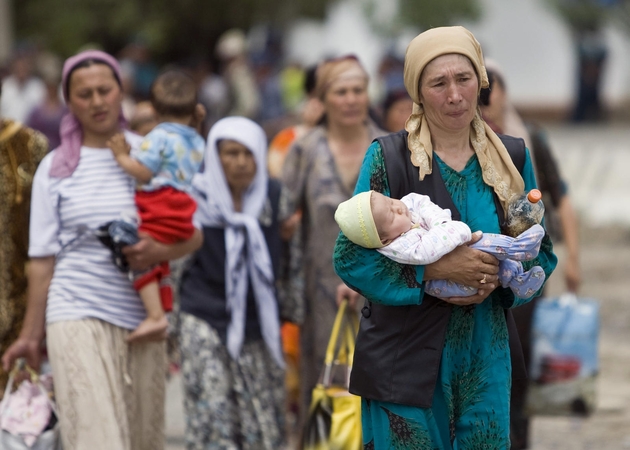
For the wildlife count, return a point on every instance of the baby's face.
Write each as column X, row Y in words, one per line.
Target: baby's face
column 391, row 216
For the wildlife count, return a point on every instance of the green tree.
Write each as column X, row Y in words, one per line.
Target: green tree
column 175, row 29
column 429, row 14
column 171, row 29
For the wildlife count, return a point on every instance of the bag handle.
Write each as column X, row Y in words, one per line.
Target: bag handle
column 334, row 335
column 568, row 299
column 567, row 302
column 345, row 351
column 345, row 348
column 20, row 365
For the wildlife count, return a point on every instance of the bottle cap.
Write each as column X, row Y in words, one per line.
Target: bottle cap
column 534, row 196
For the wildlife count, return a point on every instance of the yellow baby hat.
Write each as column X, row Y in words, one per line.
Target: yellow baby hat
column 354, row 217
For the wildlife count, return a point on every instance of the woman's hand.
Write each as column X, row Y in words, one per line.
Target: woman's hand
column 344, row 292
column 572, row 275
column 23, row 348
column 148, row 252
column 287, row 228
column 144, row 254
column 466, row 266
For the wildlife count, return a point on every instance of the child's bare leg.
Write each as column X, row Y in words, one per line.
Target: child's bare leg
column 155, row 324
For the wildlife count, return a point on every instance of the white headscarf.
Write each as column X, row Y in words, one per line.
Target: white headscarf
column 247, row 255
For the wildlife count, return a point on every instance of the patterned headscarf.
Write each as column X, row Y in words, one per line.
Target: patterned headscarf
column 496, row 164
column 67, row 155
column 247, row 255
column 335, row 69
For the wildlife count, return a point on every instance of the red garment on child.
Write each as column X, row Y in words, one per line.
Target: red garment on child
column 166, row 215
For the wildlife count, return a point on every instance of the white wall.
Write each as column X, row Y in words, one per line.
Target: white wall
column 345, row 30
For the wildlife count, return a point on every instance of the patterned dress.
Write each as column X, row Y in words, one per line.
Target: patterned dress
column 470, row 408
column 311, row 177
column 21, row 150
column 229, row 404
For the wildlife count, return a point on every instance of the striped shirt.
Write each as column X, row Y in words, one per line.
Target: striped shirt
column 64, row 216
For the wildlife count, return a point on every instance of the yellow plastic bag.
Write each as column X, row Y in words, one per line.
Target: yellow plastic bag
column 334, row 420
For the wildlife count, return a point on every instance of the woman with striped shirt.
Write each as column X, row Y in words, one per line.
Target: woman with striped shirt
column 110, row 393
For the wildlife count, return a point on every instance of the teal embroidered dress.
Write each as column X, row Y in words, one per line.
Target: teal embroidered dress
column 470, row 408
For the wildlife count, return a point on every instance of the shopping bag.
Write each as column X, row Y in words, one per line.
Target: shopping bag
column 28, row 416
column 334, row 418
column 565, row 360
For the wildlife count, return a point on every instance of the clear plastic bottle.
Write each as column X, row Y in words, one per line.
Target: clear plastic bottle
column 524, row 212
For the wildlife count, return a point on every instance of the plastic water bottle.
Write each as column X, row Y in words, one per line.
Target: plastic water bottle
column 524, row 212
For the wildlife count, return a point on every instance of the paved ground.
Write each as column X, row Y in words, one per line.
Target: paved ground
column 596, row 163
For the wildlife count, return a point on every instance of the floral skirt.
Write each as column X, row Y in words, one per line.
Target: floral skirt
column 229, row 404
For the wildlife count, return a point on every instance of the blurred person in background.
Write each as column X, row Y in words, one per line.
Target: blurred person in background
column 310, row 114
column 232, row 362
column 272, row 113
column 396, row 110
column 136, row 60
column 592, row 52
column 213, row 91
column 22, row 90
column 560, row 220
column 320, row 172
column 389, row 77
column 231, row 48
column 292, row 85
column 560, row 217
column 292, row 273
column 106, row 390
column 143, row 119
column 21, row 150
column 46, row 118
column 129, row 92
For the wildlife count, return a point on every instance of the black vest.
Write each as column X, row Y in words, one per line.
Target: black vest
column 398, row 349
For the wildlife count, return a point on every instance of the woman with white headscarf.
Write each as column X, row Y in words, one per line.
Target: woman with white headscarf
column 436, row 373
column 232, row 361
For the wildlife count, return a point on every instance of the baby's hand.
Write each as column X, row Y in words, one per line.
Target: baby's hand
column 119, row 145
